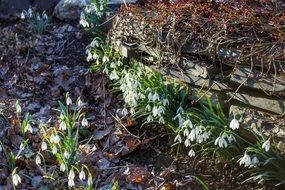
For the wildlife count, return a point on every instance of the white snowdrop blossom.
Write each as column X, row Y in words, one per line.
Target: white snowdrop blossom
column 149, row 118
column 161, row 120
column 62, row 167
column 68, row 101
column 105, row 59
column 124, row 111
column 186, row 132
column 187, row 142
column 191, row 153
column 221, row 142
column 79, row 102
column 66, row 154
column 180, row 119
column 89, row 180
column 114, row 75
column 29, row 128
column 149, row 96
column 23, row 16
column 178, row 138
column 54, row 150
column 16, row 179
column 187, row 124
column 82, row 175
column 44, row 146
column 83, row 22
column 1, row 148
column 84, row 122
column 165, row 102
column 62, row 126
column 18, row 107
column 155, row 97
column 254, row 161
column 54, row 139
column 45, row 17
column 266, row 145
column 246, row 160
column 234, row 124
column 30, row 13
column 38, row 160
column 148, row 108
column 231, row 138
column 71, row 177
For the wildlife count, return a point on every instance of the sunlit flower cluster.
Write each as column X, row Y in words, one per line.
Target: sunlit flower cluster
column 91, row 14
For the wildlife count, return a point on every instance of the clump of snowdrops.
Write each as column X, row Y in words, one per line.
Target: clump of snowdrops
column 60, row 140
column 202, row 129
column 37, row 21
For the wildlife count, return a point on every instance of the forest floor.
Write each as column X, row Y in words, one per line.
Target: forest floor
column 38, row 70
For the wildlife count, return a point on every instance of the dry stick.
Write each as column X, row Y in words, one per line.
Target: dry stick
column 118, row 121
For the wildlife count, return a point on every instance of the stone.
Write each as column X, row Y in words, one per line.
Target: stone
column 69, row 9
column 256, row 80
column 270, row 105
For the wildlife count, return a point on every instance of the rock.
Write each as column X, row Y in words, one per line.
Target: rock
column 270, row 105
column 43, row 5
column 256, row 80
column 9, row 7
column 69, row 9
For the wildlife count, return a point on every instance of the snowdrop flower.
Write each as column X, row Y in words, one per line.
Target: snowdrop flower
column 187, row 142
column 45, row 17
column 178, row 138
column 161, row 120
column 89, row 180
column 44, row 146
column 38, row 160
column 23, row 16
column 84, row 122
column 149, row 96
column 66, row 155
column 83, row 22
column 62, row 167
column 54, row 150
column 30, row 12
column 148, row 108
column 191, row 153
column 186, row 132
column 180, row 110
column 62, row 126
column 231, row 138
column 16, row 179
column 234, row 124
column 82, row 175
column 206, row 135
column 18, row 107
column 149, row 118
column 29, row 128
column 105, row 59
column 155, row 97
column 68, row 101
column 114, row 76
column 79, row 102
column 221, row 142
column 125, row 112
column 54, row 139
column 0, row 148
column 187, row 123
column 246, row 160
column 266, row 145
column 71, row 177
column 154, row 111
column 254, row 161
column 165, row 102
column 180, row 119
